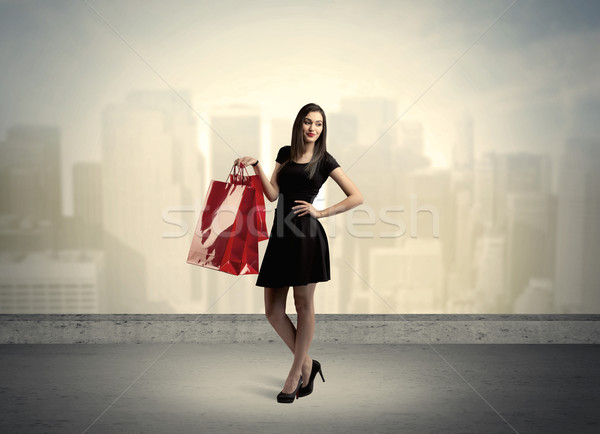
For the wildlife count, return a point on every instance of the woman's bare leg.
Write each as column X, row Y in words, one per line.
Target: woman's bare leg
column 275, row 302
column 304, row 301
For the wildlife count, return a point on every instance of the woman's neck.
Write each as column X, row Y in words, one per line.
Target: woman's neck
column 308, row 149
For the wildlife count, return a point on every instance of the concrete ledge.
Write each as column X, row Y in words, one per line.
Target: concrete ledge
column 351, row 329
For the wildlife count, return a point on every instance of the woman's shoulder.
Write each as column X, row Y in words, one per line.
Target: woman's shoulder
column 330, row 158
column 284, row 153
column 329, row 163
column 285, row 150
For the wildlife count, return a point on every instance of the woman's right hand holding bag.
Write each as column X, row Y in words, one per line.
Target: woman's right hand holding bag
column 246, row 161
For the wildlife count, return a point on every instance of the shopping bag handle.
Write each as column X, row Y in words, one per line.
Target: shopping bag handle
column 238, row 174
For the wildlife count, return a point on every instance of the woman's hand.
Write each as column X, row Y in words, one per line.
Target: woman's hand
column 246, row 161
column 306, row 208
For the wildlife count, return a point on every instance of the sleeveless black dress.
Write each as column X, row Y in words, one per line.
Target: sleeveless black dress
column 298, row 251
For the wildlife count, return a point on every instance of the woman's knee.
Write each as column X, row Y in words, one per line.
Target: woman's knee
column 304, row 299
column 303, row 305
column 274, row 312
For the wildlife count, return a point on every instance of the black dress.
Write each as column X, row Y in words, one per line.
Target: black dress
column 298, row 251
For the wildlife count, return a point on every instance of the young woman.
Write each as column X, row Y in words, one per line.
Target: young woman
column 297, row 253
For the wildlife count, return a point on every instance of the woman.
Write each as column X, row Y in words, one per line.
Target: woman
column 298, row 252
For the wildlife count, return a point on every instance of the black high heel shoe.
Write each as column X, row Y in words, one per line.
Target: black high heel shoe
column 288, row 398
column 316, row 368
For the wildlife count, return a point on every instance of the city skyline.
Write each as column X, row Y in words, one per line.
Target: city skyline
column 471, row 236
column 470, row 128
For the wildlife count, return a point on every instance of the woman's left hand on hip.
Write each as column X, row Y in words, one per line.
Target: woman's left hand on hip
column 305, row 208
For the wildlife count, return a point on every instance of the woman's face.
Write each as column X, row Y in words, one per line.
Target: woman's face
column 312, row 127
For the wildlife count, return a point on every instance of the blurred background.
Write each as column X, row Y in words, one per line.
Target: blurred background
column 471, row 128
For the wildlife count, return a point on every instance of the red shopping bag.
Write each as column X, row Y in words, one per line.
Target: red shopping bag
column 222, row 239
column 239, row 177
column 241, row 253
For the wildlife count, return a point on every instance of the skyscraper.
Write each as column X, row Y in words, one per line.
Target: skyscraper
column 149, row 170
column 578, row 233
column 31, row 163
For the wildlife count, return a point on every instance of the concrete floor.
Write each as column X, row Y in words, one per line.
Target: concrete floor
column 231, row 388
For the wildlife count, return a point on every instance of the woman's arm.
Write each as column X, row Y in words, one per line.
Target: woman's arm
column 270, row 188
column 353, row 199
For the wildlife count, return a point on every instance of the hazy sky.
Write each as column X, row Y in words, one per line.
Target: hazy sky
column 529, row 82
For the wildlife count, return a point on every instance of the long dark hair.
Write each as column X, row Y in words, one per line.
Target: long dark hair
column 297, row 143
